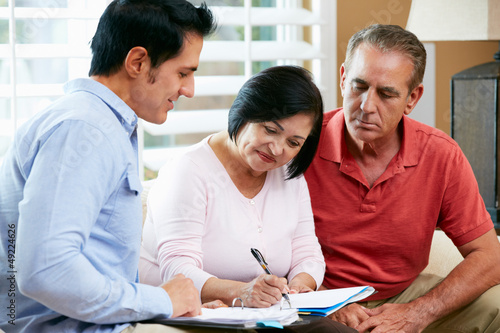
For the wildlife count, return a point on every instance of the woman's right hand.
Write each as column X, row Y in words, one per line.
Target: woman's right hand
column 263, row 291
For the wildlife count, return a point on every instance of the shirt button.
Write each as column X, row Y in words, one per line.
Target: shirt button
column 252, row 202
column 259, row 230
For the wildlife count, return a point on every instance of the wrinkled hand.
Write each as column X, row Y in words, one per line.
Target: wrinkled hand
column 214, row 304
column 393, row 318
column 184, row 296
column 302, row 283
column 351, row 315
column 263, row 291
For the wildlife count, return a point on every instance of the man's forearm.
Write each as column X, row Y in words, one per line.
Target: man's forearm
column 479, row 271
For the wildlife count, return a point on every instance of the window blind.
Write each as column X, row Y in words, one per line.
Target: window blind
column 48, row 41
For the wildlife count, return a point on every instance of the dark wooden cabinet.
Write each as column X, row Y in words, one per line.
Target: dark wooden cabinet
column 475, row 125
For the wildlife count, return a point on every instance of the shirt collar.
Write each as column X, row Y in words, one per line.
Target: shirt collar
column 333, row 133
column 410, row 148
column 122, row 111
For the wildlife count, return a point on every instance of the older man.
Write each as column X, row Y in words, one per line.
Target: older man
column 381, row 183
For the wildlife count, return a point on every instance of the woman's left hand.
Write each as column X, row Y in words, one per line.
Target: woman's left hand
column 214, row 304
column 302, row 283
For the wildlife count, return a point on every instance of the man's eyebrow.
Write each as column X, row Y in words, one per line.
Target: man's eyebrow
column 276, row 123
column 358, row 80
column 391, row 90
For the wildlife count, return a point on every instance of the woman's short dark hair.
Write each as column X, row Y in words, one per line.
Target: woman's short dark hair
column 159, row 26
column 276, row 93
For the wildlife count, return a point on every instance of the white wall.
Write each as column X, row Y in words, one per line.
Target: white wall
column 425, row 111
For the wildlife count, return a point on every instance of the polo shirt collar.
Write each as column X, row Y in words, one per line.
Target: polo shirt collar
column 334, row 133
column 410, row 147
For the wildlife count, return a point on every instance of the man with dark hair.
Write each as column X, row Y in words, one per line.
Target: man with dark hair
column 381, row 183
column 70, row 208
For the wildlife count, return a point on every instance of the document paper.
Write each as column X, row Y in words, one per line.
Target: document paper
column 317, row 303
column 326, row 302
column 237, row 316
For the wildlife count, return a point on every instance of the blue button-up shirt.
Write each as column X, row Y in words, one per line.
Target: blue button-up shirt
column 70, row 219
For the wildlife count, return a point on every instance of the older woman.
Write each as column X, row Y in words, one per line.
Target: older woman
column 240, row 189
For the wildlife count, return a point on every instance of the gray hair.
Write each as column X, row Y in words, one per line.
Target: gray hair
column 388, row 38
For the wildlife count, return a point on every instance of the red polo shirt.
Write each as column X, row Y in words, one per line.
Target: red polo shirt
column 381, row 236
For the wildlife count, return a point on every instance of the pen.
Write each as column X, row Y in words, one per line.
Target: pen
column 262, row 262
